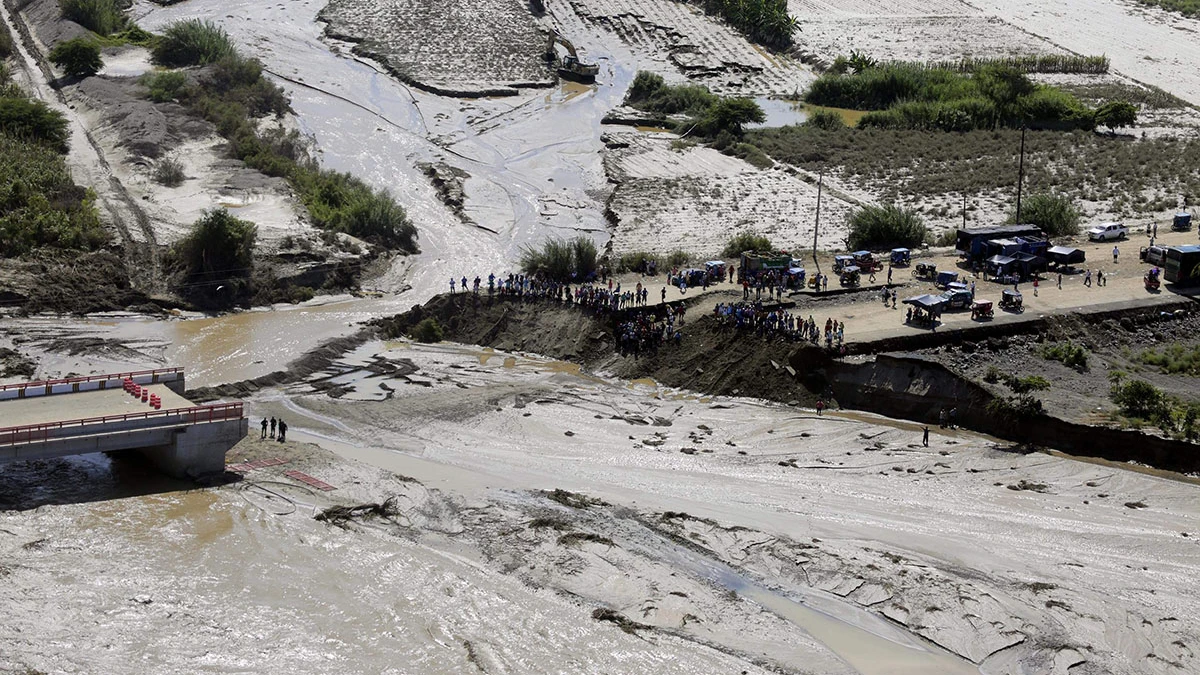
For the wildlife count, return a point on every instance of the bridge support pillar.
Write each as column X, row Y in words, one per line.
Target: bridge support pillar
column 199, row 449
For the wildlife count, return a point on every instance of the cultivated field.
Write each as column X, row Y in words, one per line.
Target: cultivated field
column 469, row 47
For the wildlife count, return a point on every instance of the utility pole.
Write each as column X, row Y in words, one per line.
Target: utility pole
column 964, row 210
column 817, row 225
column 1020, row 175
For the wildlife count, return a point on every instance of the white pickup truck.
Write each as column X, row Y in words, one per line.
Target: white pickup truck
column 1107, row 231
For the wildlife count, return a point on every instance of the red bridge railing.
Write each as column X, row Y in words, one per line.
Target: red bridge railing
column 90, row 378
column 32, row 433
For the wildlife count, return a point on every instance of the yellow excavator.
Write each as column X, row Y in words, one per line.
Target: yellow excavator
column 569, row 66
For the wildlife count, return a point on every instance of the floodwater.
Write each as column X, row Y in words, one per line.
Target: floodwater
column 783, row 112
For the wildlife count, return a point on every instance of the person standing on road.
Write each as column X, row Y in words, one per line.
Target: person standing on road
column 1116, row 253
column 264, row 428
column 925, row 437
column 1154, row 235
column 451, row 285
column 1087, row 279
column 273, row 423
column 1035, row 286
column 889, row 275
column 1060, row 281
column 1099, row 277
column 282, row 430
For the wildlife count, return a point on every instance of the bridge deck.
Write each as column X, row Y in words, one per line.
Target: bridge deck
column 84, row 404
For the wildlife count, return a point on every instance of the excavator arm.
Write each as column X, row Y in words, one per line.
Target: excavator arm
column 556, row 38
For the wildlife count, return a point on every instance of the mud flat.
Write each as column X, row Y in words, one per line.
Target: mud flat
column 849, row 515
column 678, row 39
column 672, row 195
column 462, row 48
column 931, row 30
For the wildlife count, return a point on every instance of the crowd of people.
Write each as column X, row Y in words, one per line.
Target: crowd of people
column 635, row 333
column 778, row 322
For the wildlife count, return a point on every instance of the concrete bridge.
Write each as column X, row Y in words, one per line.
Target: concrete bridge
column 100, row 413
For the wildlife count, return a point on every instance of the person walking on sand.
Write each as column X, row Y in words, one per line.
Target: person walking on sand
column 1087, row 279
column 889, row 274
column 1035, row 286
column 925, row 437
column 273, row 423
column 264, row 428
column 1099, row 277
column 820, row 406
column 1060, row 281
column 1116, row 253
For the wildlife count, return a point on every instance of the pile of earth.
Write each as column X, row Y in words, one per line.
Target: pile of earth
column 711, row 359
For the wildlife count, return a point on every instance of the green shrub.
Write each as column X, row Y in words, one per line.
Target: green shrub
column 992, row 375
column 885, row 227
column 1069, row 353
column 169, row 172
column 40, row 205
column 766, row 22
column 344, row 203
column 745, row 241
column 751, row 154
column 730, row 115
column 1185, row 7
column 1037, row 63
column 1137, row 398
column 32, row 120
column 1174, row 359
column 678, row 258
column 1024, row 385
column 1116, row 114
column 103, row 17
column 560, row 259
column 79, row 57
column 645, row 86
column 166, row 85
column 917, row 97
column 428, row 330
column 218, row 247
column 1055, row 214
column 193, row 42
column 825, row 119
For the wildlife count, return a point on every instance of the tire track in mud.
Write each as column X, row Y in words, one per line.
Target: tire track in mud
column 141, row 256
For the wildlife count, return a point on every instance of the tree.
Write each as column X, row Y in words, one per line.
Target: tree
column 1004, row 86
column 78, row 57
column 746, row 241
column 645, row 85
column 1055, row 214
column 34, row 121
column 730, row 114
column 219, row 247
column 1116, row 114
column 885, row 227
